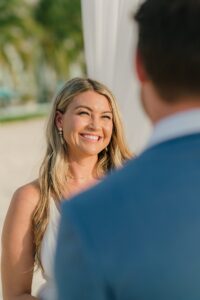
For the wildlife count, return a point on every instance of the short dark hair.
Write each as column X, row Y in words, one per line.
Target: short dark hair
column 169, row 44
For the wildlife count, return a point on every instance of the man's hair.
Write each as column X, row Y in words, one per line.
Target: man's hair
column 169, row 45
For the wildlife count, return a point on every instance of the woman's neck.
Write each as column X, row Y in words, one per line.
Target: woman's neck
column 82, row 170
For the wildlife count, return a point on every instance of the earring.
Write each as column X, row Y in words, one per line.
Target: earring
column 106, row 149
column 60, row 132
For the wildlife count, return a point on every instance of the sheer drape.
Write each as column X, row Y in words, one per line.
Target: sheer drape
column 109, row 38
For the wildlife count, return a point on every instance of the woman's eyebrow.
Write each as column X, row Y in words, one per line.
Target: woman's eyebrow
column 83, row 106
column 107, row 112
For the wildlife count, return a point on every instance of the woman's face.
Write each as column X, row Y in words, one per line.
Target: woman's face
column 87, row 124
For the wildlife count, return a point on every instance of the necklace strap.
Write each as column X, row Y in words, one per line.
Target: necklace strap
column 77, row 178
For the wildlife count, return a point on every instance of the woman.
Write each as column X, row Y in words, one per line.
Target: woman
column 84, row 142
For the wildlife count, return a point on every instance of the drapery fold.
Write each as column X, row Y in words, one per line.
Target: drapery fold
column 109, row 41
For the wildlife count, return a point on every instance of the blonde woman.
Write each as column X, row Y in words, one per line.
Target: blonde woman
column 85, row 141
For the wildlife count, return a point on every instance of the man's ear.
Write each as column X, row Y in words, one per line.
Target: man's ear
column 140, row 70
column 59, row 119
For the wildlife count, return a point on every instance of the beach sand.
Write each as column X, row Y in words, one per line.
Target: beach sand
column 22, row 147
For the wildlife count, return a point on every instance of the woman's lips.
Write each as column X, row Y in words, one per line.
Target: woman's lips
column 91, row 137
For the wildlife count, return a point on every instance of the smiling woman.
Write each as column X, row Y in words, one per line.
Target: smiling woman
column 87, row 125
column 85, row 141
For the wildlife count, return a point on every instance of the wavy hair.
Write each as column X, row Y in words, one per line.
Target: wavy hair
column 52, row 174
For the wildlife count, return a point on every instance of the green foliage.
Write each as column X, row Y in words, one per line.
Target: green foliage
column 63, row 17
column 38, row 43
column 61, row 40
column 61, row 21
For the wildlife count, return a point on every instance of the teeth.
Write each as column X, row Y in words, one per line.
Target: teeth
column 91, row 137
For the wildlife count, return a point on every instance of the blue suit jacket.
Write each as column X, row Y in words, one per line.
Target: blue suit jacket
column 136, row 236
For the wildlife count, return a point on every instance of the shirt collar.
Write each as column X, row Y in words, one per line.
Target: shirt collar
column 179, row 124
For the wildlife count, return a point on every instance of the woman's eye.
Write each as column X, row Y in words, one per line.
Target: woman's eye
column 83, row 113
column 107, row 117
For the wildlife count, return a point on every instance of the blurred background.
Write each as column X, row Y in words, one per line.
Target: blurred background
column 43, row 43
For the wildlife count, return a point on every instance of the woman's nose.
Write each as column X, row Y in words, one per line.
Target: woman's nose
column 94, row 123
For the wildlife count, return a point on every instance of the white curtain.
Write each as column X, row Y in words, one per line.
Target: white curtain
column 110, row 38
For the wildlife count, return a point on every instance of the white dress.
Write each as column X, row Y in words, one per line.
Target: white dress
column 48, row 290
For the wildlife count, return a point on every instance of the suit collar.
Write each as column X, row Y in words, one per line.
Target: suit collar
column 177, row 125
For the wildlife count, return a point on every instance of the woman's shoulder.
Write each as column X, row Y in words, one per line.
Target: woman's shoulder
column 21, row 208
column 27, row 196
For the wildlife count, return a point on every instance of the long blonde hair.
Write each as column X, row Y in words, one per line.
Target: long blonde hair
column 52, row 175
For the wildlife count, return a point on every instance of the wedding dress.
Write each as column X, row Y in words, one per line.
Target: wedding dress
column 48, row 290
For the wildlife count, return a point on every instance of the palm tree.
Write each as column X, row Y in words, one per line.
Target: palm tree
column 16, row 43
column 39, row 40
column 62, row 41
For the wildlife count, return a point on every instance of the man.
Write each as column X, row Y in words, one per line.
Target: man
column 137, row 234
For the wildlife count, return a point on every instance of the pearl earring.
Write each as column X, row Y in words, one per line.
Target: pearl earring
column 60, row 132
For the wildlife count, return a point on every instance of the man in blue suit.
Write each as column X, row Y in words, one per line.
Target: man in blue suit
column 137, row 234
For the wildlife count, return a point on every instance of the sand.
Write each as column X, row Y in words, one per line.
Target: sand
column 22, row 146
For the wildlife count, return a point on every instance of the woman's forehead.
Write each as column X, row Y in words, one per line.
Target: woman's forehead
column 92, row 100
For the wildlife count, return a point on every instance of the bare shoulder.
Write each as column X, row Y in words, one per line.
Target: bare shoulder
column 18, row 221
column 18, row 242
column 26, row 197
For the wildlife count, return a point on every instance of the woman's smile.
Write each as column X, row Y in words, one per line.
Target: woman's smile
column 90, row 137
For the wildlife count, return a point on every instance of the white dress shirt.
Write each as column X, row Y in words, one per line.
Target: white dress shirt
column 176, row 125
